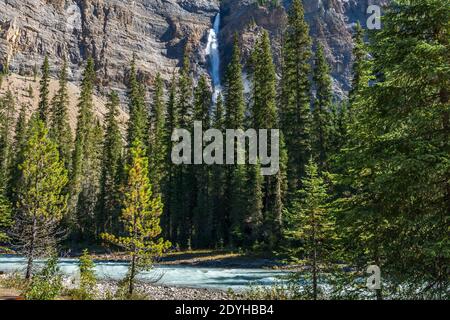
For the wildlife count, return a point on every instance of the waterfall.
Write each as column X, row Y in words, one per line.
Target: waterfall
column 212, row 51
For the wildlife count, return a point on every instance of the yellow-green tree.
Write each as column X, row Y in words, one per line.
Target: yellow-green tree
column 41, row 202
column 141, row 218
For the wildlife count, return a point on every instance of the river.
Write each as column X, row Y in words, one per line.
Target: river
column 169, row 275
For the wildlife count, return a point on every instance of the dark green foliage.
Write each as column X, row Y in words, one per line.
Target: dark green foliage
column 60, row 130
column 85, row 173
column 312, row 224
column 158, row 138
column 295, row 114
column 398, row 159
column 322, row 126
column 111, row 169
column 138, row 122
column 44, row 100
column 202, row 216
column 7, row 109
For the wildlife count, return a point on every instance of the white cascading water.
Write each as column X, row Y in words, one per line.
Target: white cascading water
column 212, row 51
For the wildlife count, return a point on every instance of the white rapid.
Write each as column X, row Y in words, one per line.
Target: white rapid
column 212, row 50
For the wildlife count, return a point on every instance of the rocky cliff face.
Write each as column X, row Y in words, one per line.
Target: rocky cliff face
column 108, row 30
column 331, row 23
column 157, row 31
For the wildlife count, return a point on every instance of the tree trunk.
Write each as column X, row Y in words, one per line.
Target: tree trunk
column 31, row 252
column 132, row 275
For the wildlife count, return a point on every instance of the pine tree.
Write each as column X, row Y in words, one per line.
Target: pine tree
column 86, row 157
column 295, row 114
column 7, row 109
column 109, row 199
column 138, row 122
column 236, row 174
column 60, row 130
column 264, row 116
column 5, row 219
column 44, row 103
column 140, row 215
column 20, row 138
column 202, row 211
column 360, row 68
column 219, row 222
column 311, row 222
column 157, row 154
column 41, row 202
column 254, row 221
column 171, row 186
column 185, row 176
column 399, row 156
column 322, row 125
column 234, row 90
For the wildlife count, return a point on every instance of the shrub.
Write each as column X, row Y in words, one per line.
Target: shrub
column 47, row 284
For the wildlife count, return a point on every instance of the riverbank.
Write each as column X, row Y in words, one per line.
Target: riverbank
column 108, row 290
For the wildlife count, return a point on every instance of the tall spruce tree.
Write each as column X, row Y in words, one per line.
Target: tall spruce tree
column 171, row 187
column 295, row 113
column 138, row 122
column 20, row 138
column 185, row 175
column 218, row 184
column 236, row 174
column 202, row 211
column 84, row 176
column 110, row 180
column 265, row 116
column 157, row 154
column 44, row 99
column 312, row 223
column 7, row 110
column 322, row 126
column 400, row 152
column 60, row 130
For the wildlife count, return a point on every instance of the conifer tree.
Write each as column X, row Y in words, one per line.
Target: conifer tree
column 185, row 176
column 360, row 67
column 110, row 180
column 311, row 222
column 7, row 109
column 18, row 149
column 235, row 174
column 41, row 202
column 5, row 219
column 202, row 211
column 171, row 187
column 138, row 122
column 295, row 114
column 218, row 183
column 322, row 128
column 264, row 116
column 141, row 217
column 157, row 154
column 399, row 156
column 44, row 102
column 84, row 176
column 60, row 130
